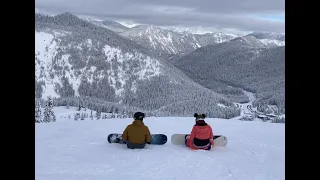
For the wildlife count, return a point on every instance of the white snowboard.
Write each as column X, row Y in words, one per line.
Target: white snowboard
column 219, row 140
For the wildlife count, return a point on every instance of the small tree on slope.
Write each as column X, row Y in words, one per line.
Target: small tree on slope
column 48, row 115
column 98, row 114
column 91, row 115
column 82, row 116
column 38, row 112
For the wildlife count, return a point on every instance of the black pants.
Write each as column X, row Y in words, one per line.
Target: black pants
column 135, row 146
column 197, row 142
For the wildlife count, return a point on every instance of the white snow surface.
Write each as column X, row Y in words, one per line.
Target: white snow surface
column 78, row 150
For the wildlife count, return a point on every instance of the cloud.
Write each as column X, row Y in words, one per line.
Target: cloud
column 244, row 15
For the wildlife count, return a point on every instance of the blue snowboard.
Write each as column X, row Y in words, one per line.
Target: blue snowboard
column 157, row 139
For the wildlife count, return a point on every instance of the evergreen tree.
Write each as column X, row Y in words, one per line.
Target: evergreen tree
column 76, row 116
column 38, row 112
column 48, row 114
column 91, row 115
column 98, row 114
column 79, row 104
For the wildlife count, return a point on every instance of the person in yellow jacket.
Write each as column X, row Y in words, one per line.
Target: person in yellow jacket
column 137, row 134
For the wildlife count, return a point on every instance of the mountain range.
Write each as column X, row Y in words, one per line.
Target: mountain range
column 152, row 69
column 166, row 42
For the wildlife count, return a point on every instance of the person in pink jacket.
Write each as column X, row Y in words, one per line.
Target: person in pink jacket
column 201, row 136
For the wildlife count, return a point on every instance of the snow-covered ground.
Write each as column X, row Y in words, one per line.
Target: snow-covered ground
column 78, row 150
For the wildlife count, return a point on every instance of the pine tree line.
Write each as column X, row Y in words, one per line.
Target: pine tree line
column 82, row 116
column 97, row 105
column 48, row 114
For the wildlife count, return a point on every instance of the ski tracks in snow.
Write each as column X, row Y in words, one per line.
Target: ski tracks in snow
column 80, row 151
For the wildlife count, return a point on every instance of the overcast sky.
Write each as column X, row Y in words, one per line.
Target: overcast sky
column 216, row 15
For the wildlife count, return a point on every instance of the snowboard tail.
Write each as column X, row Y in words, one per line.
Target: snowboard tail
column 157, row 139
column 219, row 140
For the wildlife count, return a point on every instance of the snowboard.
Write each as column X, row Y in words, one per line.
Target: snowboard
column 219, row 140
column 157, row 139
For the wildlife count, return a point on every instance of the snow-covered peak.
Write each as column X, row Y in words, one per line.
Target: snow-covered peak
column 89, row 18
column 268, row 35
column 218, row 34
column 109, row 24
column 249, row 40
column 144, row 30
column 272, row 42
column 270, row 38
column 198, row 30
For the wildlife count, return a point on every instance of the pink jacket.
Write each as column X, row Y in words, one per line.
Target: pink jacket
column 200, row 132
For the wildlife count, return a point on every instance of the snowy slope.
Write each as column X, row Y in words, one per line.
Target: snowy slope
column 47, row 50
column 77, row 150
